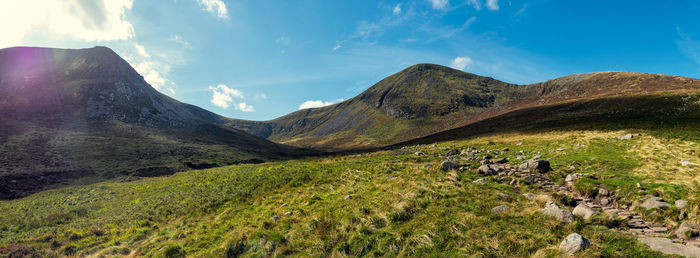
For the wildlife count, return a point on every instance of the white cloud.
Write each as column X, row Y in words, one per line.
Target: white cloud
column 283, row 41
column 688, row 46
column 492, row 5
column 337, row 46
column 440, row 4
column 87, row 20
column 245, row 107
column 141, row 50
column 461, row 63
column 217, row 7
column 475, row 3
column 260, row 96
column 222, row 95
column 315, row 104
column 397, row 9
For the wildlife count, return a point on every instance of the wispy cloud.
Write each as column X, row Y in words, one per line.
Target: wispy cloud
column 440, row 4
column 443, row 33
column 337, row 46
column 492, row 5
column 260, row 96
column 461, row 63
column 217, row 7
column 688, row 46
column 397, row 9
column 475, row 3
column 178, row 39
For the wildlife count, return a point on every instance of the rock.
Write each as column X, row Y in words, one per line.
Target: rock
column 628, row 136
column 572, row 177
column 486, row 170
column 419, row 153
column 583, row 211
column 682, row 215
column 667, row 246
column 275, row 218
column 639, row 185
column 500, row 161
column 289, row 213
column 529, row 180
column 503, row 196
column 505, row 149
column 481, row 180
column 519, row 144
column 685, row 162
column 604, row 201
column 552, row 209
column 448, row 165
column 485, row 162
column 427, row 166
column 681, row 203
column 348, row 197
column 688, row 230
column 538, row 165
column 574, row 243
column 500, row 209
column 488, row 157
column 513, row 181
column 529, row 196
column 284, row 205
column 452, row 152
column 603, row 192
column 655, row 203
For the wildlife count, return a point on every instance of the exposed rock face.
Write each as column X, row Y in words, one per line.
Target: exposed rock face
column 486, row 170
column 688, row 230
column 655, row 203
column 584, row 211
column 500, row 209
column 574, row 243
column 536, row 165
column 552, row 209
column 667, row 246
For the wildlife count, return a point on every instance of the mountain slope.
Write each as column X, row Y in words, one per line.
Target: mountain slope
column 425, row 99
column 87, row 115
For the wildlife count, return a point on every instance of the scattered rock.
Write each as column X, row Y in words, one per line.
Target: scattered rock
column 503, row 196
column 419, row 153
column 584, row 211
column 448, row 165
column 529, row 180
column 604, row 201
column 348, row 197
column 500, row 209
column 538, row 165
column 481, row 180
column 519, row 144
column 688, row 230
column 529, row 196
column 505, row 149
column 603, row 191
column 427, row 166
column 284, row 205
column 639, row 185
column 685, row 162
column 681, row 203
column 488, row 157
column 289, row 213
column 486, row 170
column 655, row 203
column 628, row 136
column 275, row 218
column 500, row 161
column 552, row 209
column 572, row 177
column 574, row 243
column 452, row 152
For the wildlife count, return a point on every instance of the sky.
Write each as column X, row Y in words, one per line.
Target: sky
column 259, row 60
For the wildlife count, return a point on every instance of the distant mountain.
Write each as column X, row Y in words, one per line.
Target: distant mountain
column 426, row 99
column 73, row 116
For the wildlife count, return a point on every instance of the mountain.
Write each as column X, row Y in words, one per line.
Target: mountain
column 74, row 116
column 426, row 99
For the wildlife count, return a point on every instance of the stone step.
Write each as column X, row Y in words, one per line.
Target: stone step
column 658, row 229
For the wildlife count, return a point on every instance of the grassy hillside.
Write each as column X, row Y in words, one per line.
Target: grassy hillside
column 383, row 203
column 425, row 99
column 84, row 115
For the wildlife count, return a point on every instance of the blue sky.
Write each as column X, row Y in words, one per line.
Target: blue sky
column 259, row 60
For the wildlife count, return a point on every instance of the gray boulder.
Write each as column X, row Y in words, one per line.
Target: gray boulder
column 529, row 180
column 500, row 209
column 583, row 211
column 681, row 203
column 500, row 161
column 655, row 203
column 448, row 165
column 529, row 196
column 486, row 170
column 628, row 136
column 688, row 230
column 481, row 180
column 552, row 209
column 536, row 165
column 574, row 243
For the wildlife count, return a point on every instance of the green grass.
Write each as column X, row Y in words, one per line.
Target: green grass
column 396, row 207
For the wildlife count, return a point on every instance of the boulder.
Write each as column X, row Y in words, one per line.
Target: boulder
column 628, row 136
column 448, row 165
column 584, row 211
column 552, row 209
column 529, row 180
column 420, row 153
column 500, row 161
column 275, row 218
column 452, row 152
column 289, row 213
column 655, row 203
column 572, row 177
column 538, row 165
column 427, row 166
column 574, row 243
column 486, row 170
column 688, row 230
column 488, row 157
column 481, row 180
column 348, row 197
column 681, row 203
column 500, row 209
column 529, row 196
